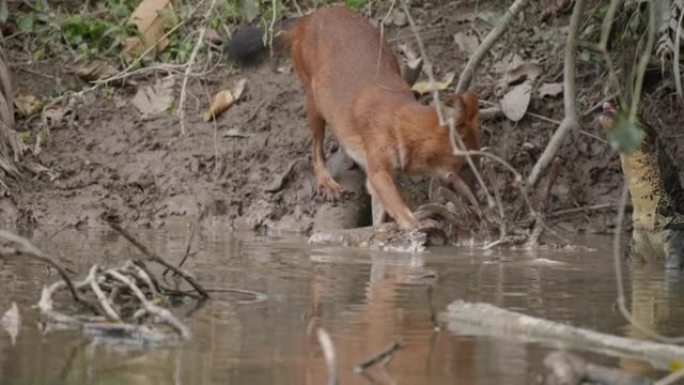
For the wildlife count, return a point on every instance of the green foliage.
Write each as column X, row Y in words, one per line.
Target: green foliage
column 626, row 135
column 93, row 37
column 356, row 5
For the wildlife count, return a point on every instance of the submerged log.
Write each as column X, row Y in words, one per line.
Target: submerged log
column 485, row 319
column 568, row 369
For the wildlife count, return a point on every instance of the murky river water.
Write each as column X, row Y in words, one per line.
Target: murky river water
column 365, row 300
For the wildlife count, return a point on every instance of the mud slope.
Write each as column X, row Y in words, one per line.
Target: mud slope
column 252, row 169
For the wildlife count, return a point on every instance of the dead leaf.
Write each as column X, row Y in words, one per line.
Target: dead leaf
column 516, row 101
column 399, row 18
column 27, row 104
column 224, row 99
column 155, row 99
column 149, row 17
column 550, row 89
column 526, row 71
column 466, row 43
column 424, row 87
column 11, row 322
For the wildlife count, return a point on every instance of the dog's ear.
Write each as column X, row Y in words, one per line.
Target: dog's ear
column 463, row 107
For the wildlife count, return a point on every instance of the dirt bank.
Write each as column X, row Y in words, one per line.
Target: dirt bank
column 252, row 170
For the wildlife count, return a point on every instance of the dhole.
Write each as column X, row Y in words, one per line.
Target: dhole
column 354, row 87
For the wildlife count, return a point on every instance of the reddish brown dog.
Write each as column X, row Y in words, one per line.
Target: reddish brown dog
column 354, row 86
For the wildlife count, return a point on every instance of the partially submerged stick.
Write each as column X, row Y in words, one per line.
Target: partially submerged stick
column 569, row 369
column 485, row 319
column 26, row 248
column 156, row 258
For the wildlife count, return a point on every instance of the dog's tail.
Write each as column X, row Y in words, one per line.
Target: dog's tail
column 249, row 43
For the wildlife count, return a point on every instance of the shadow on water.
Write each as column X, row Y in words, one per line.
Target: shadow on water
column 365, row 300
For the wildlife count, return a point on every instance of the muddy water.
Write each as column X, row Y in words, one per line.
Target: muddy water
column 365, row 300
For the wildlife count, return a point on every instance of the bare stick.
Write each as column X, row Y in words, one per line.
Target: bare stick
column 568, row 368
column 150, row 307
column 598, row 206
column 156, row 258
column 188, row 68
column 570, row 121
column 192, row 236
column 370, row 361
column 101, row 297
column 329, row 354
column 489, row 40
column 25, row 247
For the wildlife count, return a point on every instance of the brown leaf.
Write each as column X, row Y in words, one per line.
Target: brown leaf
column 526, row 71
column 150, row 17
column 224, row 99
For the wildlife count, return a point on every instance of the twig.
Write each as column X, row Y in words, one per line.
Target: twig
column 491, row 38
column 570, row 121
column 598, row 206
column 329, row 355
column 101, row 297
column 25, row 247
column 149, row 307
column 201, row 217
column 431, row 307
column 156, row 258
column 370, row 361
column 198, row 44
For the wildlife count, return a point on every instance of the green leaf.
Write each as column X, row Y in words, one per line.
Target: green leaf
column 25, row 22
column 626, row 135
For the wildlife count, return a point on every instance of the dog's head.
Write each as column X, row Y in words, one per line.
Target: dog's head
column 464, row 109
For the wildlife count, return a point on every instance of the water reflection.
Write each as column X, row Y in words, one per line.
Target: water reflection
column 366, row 301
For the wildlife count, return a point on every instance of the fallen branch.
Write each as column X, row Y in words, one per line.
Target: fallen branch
column 489, row 41
column 486, row 319
column 26, row 248
column 569, row 369
column 156, row 258
column 570, row 121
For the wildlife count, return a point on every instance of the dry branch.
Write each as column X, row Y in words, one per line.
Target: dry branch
column 486, row 319
column 26, row 248
column 568, row 369
column 489, row 41
column 570, row 121
column 151, row 255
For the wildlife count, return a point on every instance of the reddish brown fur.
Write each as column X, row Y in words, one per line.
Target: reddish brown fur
column 353, row 84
